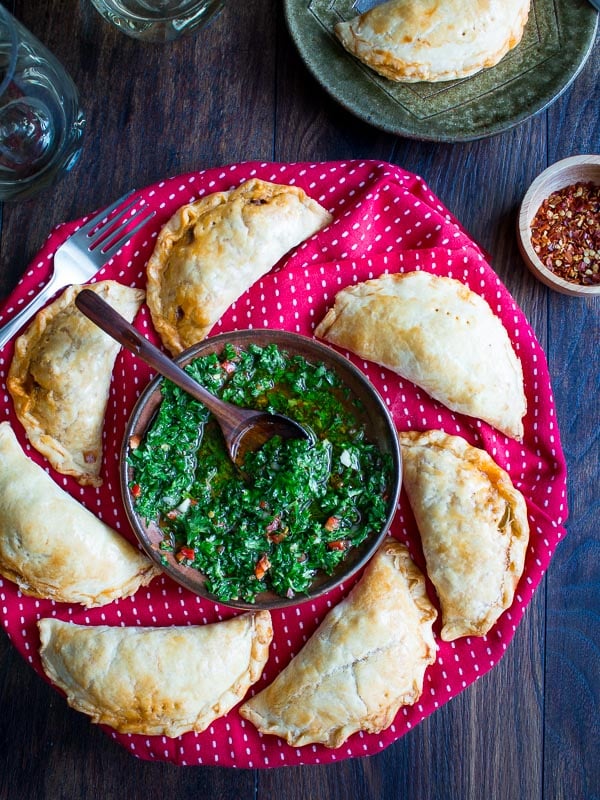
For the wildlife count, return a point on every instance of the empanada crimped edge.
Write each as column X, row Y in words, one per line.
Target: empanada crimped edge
column 156, row 681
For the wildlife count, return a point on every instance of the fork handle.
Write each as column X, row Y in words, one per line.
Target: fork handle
column 25, row 314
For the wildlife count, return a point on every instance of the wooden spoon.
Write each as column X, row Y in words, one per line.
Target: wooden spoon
column 244, row 429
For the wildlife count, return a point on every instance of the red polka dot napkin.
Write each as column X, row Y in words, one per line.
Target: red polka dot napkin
column 385, row 220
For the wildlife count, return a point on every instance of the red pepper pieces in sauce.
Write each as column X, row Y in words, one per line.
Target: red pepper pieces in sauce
column 263, row 565
column 338, row 544
column 185, row 554
column 565, row 233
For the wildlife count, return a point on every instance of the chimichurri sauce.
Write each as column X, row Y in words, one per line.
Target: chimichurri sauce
column 298, row 507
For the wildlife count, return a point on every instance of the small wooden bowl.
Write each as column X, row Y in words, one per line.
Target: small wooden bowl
column 563, row 173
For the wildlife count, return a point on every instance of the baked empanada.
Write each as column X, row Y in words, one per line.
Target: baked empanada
column 59, row 380
column 473, row 526
column 156, row 681
column 211, row 251
column 366, row 660
column 440, row 335
column 51, row 546
column 430, row 40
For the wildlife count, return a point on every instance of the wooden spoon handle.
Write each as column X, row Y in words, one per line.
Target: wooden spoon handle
column 112, row 323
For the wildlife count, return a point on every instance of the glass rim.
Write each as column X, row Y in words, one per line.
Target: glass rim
column 151, row 16
column 10, row 25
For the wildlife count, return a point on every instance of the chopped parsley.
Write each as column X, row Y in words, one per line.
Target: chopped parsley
column 298, row 507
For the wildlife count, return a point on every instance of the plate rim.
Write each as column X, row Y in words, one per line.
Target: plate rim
column 356, row 77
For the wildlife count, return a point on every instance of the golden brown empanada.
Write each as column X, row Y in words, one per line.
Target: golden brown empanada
column 440, row 335
column 366, row 660
column 156, row 681
column 51, row 546
column 59, row 380
column 430, row 40
column 473, row 525
column 211, row 251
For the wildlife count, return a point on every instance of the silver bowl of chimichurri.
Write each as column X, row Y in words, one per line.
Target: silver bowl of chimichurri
column 301, row 516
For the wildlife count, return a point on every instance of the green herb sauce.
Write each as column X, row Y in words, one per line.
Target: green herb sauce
column 299, row 506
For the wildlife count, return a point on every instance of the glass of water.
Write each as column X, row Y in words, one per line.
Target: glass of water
column 41, row 123
column 158, row 20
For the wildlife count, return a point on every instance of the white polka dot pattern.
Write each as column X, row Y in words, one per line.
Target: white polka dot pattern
column 385, row 220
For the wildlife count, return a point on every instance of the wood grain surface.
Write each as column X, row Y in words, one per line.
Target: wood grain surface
column 529, row 729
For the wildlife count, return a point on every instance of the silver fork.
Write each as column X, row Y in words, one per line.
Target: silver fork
column 83, row 254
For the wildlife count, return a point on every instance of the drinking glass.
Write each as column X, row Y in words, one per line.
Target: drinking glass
column 41, row 123
column 158, row 20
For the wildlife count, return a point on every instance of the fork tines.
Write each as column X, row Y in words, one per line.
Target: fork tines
column 108, row 233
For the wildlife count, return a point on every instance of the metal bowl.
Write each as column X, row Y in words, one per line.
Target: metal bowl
column 584, row 168
column 380, row 430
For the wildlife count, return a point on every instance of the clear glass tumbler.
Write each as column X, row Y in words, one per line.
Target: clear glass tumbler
column 41, row 123
column 158, row 20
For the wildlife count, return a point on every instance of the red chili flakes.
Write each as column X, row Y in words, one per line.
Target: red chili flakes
column 565, row 233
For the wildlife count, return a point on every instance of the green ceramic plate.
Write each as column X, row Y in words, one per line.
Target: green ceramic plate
column 557, row 40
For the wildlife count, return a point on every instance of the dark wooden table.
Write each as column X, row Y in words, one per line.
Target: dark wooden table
column 239, row 91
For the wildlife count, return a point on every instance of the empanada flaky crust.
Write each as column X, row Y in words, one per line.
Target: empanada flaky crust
column 156, row 681
column 431, row 40
column 473, row 526
column 211, row 251
column 366, row 660
column 59, row 379
column 440, row 335
column 54, row 548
